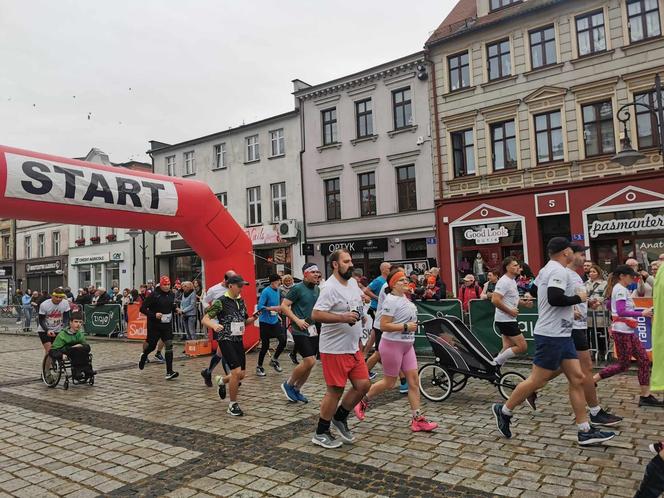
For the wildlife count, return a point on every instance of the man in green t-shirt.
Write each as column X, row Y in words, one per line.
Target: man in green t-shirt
column 297, row 306
column 71, row 341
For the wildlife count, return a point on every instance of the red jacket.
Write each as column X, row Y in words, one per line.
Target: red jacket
column 467, row 293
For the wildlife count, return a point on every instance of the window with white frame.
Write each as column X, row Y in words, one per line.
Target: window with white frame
column 189, row 163
column 40, row 245
column 253, row 152
column 254, row 215
column 277, row 145
column 6, row 247
column 220, row 156
column 55, row 243
column 27, row 244
column 279, row 212
column 223, row 198
column 170, row 165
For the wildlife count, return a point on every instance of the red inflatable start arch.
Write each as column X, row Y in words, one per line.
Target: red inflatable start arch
column 41, row 187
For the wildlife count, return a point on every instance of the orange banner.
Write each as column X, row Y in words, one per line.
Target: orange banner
column 137, row 323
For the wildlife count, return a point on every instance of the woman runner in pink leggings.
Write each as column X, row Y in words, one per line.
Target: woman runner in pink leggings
column 624, row 322
column 398, row 323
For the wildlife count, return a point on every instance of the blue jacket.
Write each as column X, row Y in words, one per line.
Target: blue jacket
column 269, row 297
column 188, row 304
column 26, row 300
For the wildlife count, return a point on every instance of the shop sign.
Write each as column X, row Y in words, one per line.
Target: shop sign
column 651, row 246
column 263, row 235
column 97, row 258
column 551, row 203
column 41, row 267
column 354, row 246
column 486, row 235
column 648, row 222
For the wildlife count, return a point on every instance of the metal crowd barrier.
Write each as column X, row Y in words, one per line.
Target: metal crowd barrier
column 179, row 329
column 601, row 342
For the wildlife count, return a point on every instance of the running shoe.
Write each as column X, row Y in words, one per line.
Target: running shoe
column 142, row 361
column 172, row 375
column 531, row 401
column 650, row 401
column 594, row 436
column 372, row 375
column 159, row 357
column 502, row 421
column 360, row 409
column 300, row 397
column 289, row 391
column 260, row 371
column 656, row 448
column 222, row 387
column 420, row 424
column 235, row 410
column 605, row 418
column 326, row 440
column 207, row 376
column 293, row 358
column 344, row 431
column 275, row 364
column 403, row 387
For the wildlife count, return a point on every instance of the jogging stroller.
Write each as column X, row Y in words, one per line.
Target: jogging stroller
column 459, row 356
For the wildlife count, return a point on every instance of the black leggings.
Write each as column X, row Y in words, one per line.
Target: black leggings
column 79, row 357
column 652, row 485
column 165, row 333
column 271, row 331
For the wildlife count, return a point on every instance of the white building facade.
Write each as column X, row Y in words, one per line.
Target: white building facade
column 254, row 170
column 367, row 166
column 41, row 255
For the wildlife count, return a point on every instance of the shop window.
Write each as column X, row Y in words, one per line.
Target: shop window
column 543, row 47
column 590, row 34
column 463, row 153
column 503, row 142
column 598, row 135
column 367, row 182
column 643, row 19
column 646, row 122
column 415, row 248
column 549, row 137
column 333, row 198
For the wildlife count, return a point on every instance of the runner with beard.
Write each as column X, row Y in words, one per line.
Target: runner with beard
column 339, row 308
column 298, row 306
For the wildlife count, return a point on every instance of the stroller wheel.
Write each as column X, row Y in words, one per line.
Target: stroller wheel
column 508, row 382
column 435, row 382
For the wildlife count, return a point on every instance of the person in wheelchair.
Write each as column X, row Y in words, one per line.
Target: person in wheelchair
column 71, row 342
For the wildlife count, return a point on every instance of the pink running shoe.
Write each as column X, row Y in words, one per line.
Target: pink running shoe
column 360, row 409
column 420, row 424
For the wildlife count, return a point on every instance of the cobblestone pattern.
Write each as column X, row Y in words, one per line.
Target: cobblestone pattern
column 271, row 443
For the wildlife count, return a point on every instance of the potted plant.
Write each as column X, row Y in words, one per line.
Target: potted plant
column 80, row 242
column 111, row 237
column 95, row 240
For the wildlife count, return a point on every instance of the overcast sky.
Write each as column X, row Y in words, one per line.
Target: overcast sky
column 115, row 74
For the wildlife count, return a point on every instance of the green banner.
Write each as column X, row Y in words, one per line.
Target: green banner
column 657, row 328
column 102, row 319
column 426, row 310
column 482, row 324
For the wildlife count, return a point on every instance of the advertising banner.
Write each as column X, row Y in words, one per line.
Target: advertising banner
column 137, row 324
column 101, row 320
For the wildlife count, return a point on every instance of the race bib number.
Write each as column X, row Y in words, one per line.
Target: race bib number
column 313, row 332
column 166, row 318
column 237, row 328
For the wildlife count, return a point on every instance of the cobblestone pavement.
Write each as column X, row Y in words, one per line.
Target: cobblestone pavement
column 135, row 434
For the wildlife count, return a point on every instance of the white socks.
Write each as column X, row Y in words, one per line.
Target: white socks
column 594, row 410
column 506, row 411
column 584, row 427
column 504, row 356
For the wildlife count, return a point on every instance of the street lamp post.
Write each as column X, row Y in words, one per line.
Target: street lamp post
column 628, row 155
column 133, row 233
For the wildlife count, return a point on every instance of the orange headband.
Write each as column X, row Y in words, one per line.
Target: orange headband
column 396, row 277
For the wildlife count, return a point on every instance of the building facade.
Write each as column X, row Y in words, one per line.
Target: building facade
column 254, row 171
column 366, row 166
column 41, row 255
column 524, row 100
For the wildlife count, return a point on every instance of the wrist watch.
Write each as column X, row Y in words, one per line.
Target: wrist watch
column 405, row 327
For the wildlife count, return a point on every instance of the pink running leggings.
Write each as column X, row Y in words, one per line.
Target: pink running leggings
column 396, row 356
column 628, row 346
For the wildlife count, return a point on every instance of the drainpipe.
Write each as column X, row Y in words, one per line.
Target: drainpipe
column 304, row 209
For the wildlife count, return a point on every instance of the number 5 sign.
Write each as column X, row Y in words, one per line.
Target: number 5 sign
column 552, row 203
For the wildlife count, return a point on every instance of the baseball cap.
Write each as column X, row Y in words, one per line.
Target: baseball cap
column 310, row 268
column 164, row 280
column 624, row 270
column 237, row 280
column 558, row 244
column 469, row 278
column 579, row 248
column 274, row 278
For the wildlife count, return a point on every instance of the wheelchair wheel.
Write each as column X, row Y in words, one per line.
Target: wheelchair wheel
column 508, row 382
column 458, row 382
column 51, row 371
column 435, row 382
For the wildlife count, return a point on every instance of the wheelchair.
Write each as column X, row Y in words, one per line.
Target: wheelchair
column 53, row 370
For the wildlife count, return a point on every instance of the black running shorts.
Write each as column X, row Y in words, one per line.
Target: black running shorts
column 44, row 337
column 509, row 329
column 378, row 334
column 233, row 353
column 306, row 345
column 580, row 337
